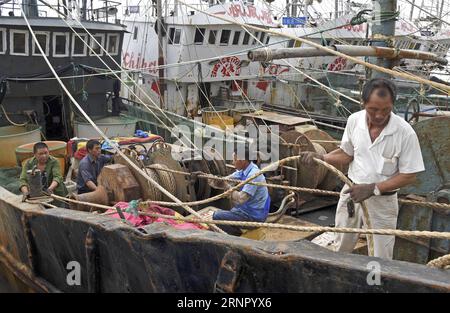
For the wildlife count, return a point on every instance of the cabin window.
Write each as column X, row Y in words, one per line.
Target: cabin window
column 135, row 33
column 2, row 41
column 97, row 44
column 417, row 46
column 177, row 38
column 267, row 39
column 225, row 37
column 19, row 42
column 44, row 41
column 79, row 46
column 199, row 36
column 246, row 39
column 237, row 36
column 174, row 36
column 212, row 37
column 112, row 44
column 290, row 43
column 171, row 35
column 263, row 35
column 60, row 44
column 255, row 39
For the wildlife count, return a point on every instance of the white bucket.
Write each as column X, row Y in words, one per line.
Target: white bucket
column 114, row 126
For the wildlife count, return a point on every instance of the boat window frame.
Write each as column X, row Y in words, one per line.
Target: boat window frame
column 262, row 37
column 11, row 42
column 246, row 39
column 171, row 36
column 255, row 38
column 135, row 32
column 221, row 35
column 102, row 44
column 36, row 52
column 175, row 43
column 198, row 30
column 86, row 39
column 214, row 31
column 67, row 35
column 4, row 42
column 108, row 36
column 238, row 34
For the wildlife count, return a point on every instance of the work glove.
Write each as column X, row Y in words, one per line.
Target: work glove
column 25, row 196
column 49, row 191
column 308, row 156
column 360, row 192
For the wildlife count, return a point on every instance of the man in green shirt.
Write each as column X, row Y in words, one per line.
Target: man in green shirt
column 52, row 180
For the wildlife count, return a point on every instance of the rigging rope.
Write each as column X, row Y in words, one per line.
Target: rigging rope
column 391, row 232
column 331, row 51
column 164, row 191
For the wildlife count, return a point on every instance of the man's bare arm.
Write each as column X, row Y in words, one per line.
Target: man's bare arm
column 396, row 182
column 338, row 157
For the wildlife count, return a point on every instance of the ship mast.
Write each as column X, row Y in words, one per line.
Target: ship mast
column 381, row 32
column 160, row 29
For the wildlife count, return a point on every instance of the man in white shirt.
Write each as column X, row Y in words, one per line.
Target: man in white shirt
column 383, row 154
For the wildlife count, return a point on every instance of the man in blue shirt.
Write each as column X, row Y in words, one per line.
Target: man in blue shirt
column 251, row 203
column 90, row 167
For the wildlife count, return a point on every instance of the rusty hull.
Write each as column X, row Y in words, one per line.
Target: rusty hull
column 37, row 245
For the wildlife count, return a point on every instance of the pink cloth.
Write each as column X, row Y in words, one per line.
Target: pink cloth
column 142, row 220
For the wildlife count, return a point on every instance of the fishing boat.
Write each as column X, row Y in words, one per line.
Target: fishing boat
column 101, row 243
column 223, row 76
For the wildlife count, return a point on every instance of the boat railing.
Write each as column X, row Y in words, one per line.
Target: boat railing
column 156, row 122
column 106, row 13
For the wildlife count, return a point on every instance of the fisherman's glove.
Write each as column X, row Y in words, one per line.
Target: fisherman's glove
column 25, row 196
column 360, row 192
column 307, row 157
